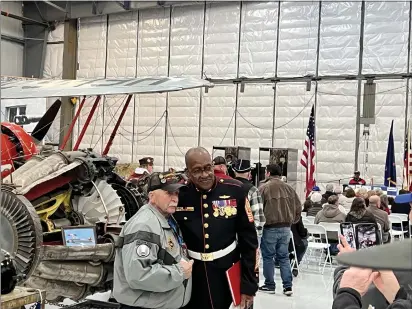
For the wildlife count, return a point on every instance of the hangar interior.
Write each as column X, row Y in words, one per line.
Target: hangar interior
column 269, row 61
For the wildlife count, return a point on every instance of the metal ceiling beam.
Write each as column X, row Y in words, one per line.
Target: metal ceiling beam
column 55, row 6
column 13, row 39
column 25, row 19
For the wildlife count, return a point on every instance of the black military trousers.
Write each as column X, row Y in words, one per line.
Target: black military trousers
column 210, row 288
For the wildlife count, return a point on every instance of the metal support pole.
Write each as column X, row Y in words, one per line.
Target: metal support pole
column 69, row 72
column 116, row 127
column 359, row 99
column 276, row 75
column 13, row 39
column 86, row 124
column 237, row 74
column 69, row 132
column 199, row 132
column 55, row 6
column 165, row 146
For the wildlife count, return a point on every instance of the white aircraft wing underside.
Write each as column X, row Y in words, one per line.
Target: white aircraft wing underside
column 44, row 88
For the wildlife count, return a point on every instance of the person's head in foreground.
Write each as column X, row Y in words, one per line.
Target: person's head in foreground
column 273, row 170
column 220, row 164
column 333, row 200
column 163, row 191
column 200, row 168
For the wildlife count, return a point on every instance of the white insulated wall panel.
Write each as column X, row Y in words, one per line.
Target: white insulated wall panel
column 183, row 128
column 92, row 64
column 339, row 38
column 298, row 35
column 186, row 44
column 186, row 41
column 255, row 118
column 149, row 133
column 386, row 37
column 153, row 42
column 152, row 60
column 336, row 131
column 221, row 39
column 390, row 104
column 218, row 117
column 258, row 39
column 292, row 110
column 11, row 58
column 10, row 26
column 121, row 62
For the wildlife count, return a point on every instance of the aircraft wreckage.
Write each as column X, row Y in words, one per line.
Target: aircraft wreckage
column 46, row 191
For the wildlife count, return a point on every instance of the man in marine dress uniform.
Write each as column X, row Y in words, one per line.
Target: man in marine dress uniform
column 212, row 213
column 145, row 168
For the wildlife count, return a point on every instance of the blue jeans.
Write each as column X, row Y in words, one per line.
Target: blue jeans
column 275, row 243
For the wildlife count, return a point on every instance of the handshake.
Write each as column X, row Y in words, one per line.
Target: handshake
column 186, row 267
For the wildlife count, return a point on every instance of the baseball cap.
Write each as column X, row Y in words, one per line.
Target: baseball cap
column 219, row 160
column 403, row 198
column 316, row 197
column 393, row 256
column 164, row 181
column 315, row 188
column 356, row 173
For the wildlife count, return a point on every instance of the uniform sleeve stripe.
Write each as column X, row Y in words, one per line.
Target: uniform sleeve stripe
column 142, row 236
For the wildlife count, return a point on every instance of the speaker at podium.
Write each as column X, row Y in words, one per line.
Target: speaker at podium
column 286, row 158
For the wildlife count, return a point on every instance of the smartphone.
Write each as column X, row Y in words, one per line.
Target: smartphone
column 366, row 235
column 347, row 230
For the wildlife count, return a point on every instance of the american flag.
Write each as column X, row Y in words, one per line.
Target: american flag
column 407, row 161
column 308, row 154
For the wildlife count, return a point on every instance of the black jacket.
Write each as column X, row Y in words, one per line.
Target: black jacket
column 373, row 296
column 347, row 298
column 367, row 218
column 299, row 232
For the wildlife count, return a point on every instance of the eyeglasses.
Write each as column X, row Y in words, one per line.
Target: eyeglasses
column 199, row 171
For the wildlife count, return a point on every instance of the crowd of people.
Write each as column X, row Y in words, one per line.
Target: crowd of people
column 176, row 250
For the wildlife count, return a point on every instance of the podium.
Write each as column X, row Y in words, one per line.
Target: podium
column 286, row 158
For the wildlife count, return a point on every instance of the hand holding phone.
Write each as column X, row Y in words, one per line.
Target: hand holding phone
column 348, row 232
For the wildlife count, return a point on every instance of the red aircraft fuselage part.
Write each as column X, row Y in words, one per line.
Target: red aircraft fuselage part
column 16, row 143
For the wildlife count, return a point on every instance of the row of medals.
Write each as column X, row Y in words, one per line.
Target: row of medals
column 226, row 211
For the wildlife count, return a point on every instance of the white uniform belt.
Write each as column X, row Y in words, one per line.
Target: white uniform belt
column 207, row 257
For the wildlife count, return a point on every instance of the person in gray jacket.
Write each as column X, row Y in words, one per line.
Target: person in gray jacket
column 151, row 268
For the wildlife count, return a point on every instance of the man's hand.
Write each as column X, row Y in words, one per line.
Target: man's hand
column 387, row 284
column 358, row 279
column 246, row 301
column 187, row 268
column 344, row 247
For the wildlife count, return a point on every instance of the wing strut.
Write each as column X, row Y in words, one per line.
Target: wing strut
column 86, row 124
column 116, row 127
column 69, row 132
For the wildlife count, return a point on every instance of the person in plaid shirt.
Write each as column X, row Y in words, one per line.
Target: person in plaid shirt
column 242, row 170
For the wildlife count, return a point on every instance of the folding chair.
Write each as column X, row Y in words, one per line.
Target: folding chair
column 404, row 218
column 304, row 214
column 310, row 219
column 295, row 259
column 333, row 227
column 315, row 243
column 400, row 234
column 380, row 232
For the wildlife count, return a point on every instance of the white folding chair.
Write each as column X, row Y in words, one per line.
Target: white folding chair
column 295, row 259
column 332, row 227
column 404, row 218
column 304, row 214
column 394, row 233
column 310, row 219
column 380, row 231
column 316, row 243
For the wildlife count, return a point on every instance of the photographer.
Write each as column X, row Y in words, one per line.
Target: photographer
column 352, row 285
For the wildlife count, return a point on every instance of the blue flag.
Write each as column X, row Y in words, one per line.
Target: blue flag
column 390, row 166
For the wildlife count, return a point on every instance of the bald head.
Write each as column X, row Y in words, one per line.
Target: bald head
column 195, row 152
column 375, row 200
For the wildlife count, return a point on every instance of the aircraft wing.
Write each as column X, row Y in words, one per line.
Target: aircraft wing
column 44, row 88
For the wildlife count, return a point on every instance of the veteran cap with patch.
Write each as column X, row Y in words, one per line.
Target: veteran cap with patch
column 164, row 181
column 393, row 256
column 147, row 161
